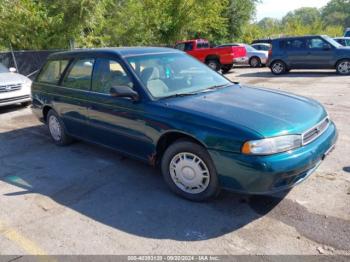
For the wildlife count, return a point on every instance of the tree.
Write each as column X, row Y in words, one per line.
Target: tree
column 304, row 15
column 239, row 13
column 337, row 13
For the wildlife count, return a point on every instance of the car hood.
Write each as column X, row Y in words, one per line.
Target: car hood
column 13, row 78
column 267, row 112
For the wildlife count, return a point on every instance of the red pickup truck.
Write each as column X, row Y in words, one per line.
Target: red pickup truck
column 219, row 58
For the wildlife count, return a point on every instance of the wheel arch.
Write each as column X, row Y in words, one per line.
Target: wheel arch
column 212, row 57
column 46, row 110
column 339, row 60
column 169, row 138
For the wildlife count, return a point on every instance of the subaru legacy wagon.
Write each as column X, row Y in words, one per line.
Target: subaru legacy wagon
column 166, row 108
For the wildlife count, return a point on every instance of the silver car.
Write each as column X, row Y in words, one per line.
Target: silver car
column 261, row 46
column 14, row 87
column 254, row 58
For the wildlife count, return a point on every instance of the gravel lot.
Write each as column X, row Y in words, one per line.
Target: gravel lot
column 85, row 199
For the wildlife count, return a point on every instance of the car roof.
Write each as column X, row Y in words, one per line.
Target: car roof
column 297, row 37
column 119, row 51
column 267, row 44
column 343, row 37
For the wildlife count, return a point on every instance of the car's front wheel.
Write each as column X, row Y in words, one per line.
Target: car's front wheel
column 57, row 129
column 343, row 67
column 278, row 67
column 255, row 62
column 189, row 171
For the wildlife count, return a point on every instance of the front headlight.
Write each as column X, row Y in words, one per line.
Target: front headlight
column 273, row 145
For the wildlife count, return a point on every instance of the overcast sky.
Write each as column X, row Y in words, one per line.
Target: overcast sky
column 279, row 8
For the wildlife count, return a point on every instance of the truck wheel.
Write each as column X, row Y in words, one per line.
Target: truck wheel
column 255, row 62
column 213, row 64
column 189, row 171
column 226, row 68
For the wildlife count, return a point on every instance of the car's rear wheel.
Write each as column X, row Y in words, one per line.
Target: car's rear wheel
column 278, row 67
column 57, row 130
column 343, row 67
column 226, row 68
column 189, row 171
column 213, row 64
column 255, row 62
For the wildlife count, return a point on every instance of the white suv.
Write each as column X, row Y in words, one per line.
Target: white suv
column 14, row 88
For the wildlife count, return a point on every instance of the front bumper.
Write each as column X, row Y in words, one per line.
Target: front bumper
column 269, row 174
column 15, row 100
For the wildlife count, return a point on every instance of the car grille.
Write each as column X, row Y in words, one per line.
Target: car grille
column 315, row 131
column 9, row 88
column 13, row 99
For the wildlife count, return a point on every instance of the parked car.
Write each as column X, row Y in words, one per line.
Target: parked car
column 254, row 58
column 308, row 52
column 168, row 109
column 215, row 58
column 344, row 41
column 261, row 46
column 347, row 32
column 14, row 87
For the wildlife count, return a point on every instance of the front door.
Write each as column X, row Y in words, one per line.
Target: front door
column 320, row 53
column 117, row 122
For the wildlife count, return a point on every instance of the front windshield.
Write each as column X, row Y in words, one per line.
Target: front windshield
column 3, row 69
column 332, row 41
column 172, row 74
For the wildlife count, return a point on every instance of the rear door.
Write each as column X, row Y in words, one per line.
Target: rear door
column 72, row 99
column 320, row 53
column 296, row 52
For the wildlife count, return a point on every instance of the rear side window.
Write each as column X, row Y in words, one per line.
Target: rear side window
column 347, row 34
column 202, row 45
column 79, row 75
column 295, row 44
column 52, row 71
column 189, row 46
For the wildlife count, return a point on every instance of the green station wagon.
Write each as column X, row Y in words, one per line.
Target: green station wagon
column 166, row 108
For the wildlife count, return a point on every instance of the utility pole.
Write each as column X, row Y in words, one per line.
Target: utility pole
column 14, row 58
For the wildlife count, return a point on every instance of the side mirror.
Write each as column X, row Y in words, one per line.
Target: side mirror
column 12, row 70
column 124, row 91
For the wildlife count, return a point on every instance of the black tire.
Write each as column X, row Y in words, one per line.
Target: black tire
column 343, row 67
column 64, row 138
column 226, row 68
column 255, row 62
column 25, row 104
column 213, row 64
column 278, row 67
column 211, row 188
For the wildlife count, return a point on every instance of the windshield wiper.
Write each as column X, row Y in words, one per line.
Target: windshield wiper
column 180, row 95
column 216, row 87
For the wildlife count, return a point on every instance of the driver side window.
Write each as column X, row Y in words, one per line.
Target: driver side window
column 109, row 73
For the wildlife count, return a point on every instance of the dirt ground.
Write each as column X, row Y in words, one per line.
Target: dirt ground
column 85, row 199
